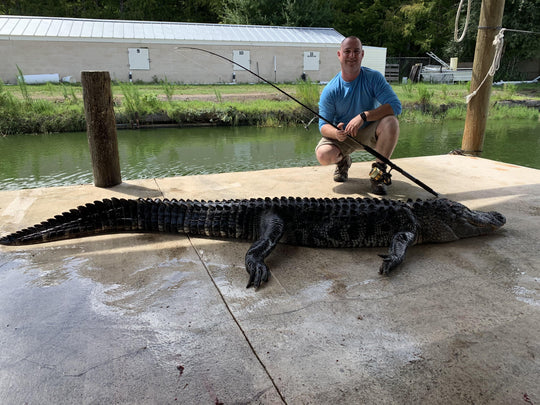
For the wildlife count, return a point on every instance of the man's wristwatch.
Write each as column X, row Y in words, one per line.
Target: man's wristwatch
column 363, row 115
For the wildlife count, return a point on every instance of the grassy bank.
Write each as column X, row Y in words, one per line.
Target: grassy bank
column 59, row 107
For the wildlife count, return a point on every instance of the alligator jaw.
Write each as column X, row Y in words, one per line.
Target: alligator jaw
column 486, row 222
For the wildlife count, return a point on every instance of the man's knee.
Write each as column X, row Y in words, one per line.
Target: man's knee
column 388, row 127
column 327, row 154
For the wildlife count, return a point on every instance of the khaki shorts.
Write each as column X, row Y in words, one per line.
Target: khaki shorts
column 366, row 135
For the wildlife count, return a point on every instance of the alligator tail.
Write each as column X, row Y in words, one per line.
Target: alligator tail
column 226, row 219
column 107, row 216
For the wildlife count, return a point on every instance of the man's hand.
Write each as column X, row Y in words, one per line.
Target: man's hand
column 341, row 134
column 354, row 125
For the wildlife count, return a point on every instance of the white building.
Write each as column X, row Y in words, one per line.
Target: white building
column 150, row 51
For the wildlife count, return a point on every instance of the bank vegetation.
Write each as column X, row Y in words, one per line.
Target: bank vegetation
column 28, row 109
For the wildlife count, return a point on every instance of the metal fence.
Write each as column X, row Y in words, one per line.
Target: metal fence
column 407, row 63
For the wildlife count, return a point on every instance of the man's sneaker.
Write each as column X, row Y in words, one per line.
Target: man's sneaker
column 342, row 170
column 379, row 178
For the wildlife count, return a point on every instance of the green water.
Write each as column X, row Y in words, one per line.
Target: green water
column 29, row 161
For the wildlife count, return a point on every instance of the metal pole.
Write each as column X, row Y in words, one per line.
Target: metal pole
column 491, row 14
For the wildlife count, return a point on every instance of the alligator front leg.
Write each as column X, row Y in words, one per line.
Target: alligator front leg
column 396, row 253
column 271, row 231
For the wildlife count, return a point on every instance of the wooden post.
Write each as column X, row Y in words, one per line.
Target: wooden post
column 101, row 128
column 491, row 14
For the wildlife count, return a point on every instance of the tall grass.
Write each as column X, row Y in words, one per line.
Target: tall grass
column 219, row 97
column 168, row 89
column 503, row 112
column 132, row 102
column 69, row 93
column 308, row 92
column 408, row 88
column 424, row 94
column 22, row 85
column 8, row 102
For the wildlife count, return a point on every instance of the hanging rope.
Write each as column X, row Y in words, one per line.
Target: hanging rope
column 498, row 42
column 456, row 26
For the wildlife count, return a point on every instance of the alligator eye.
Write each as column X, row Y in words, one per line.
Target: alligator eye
column 457, row 208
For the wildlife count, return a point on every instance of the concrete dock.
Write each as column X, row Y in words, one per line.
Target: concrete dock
column 166, row 319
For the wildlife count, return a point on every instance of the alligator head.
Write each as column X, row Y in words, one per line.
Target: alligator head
column 443, row 220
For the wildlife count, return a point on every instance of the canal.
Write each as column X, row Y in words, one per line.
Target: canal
column 30, row 161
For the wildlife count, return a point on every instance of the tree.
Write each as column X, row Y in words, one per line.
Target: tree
column 257, row 12
column 408, row 28
column 519, row 46
column 464, row 50
column 426, row 24
column 307, row 13
column 297, row 13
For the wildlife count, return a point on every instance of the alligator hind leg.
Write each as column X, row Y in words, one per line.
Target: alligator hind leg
column 396, row 253
column 271, row 231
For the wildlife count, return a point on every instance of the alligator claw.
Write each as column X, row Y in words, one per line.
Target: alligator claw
column 389, row 262
column 258, row 274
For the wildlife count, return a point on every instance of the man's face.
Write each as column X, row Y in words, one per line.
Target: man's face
column 351, row 53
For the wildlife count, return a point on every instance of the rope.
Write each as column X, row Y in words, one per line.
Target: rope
column 522, row 31
column 456, row 26
column 498, row 43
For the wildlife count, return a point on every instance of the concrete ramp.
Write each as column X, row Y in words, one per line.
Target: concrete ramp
column 165, row 319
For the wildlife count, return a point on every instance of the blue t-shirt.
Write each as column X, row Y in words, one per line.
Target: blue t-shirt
column 341, row 101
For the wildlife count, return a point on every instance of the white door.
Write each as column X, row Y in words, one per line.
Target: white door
column 311, row 60
column 242, row 58
column 139, row 59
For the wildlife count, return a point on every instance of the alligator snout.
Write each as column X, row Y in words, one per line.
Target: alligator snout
column 498, row 219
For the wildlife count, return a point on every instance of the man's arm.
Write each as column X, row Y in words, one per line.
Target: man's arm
column 356, row 123
column 328, row 131
column 372, row 115
column 327, row 109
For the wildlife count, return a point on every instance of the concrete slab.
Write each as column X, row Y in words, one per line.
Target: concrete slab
column 167, row 319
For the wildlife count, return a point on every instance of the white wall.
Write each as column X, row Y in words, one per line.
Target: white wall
column 69, row 58
column 375, row 58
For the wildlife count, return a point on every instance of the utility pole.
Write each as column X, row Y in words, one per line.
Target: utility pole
column 491, row 14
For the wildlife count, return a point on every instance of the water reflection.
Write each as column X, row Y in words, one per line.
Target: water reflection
column 30, row 161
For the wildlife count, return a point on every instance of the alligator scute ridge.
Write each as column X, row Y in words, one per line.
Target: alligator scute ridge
column 315, row 222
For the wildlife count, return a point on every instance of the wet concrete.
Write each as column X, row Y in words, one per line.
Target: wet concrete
column 166, row 319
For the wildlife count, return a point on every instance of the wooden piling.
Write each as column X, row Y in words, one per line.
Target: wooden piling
column 101, row 128
column 491, row 14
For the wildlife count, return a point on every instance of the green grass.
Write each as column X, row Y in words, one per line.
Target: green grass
column 59, row 107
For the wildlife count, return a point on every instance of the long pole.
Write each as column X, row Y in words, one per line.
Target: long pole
column 491, row 14
column 366, row 147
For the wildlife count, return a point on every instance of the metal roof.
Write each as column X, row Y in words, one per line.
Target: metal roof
column 78, row 29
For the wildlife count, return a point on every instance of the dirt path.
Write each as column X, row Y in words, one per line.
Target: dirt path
column 228, row 97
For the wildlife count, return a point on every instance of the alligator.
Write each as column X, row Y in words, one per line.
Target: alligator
column 313, row 222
